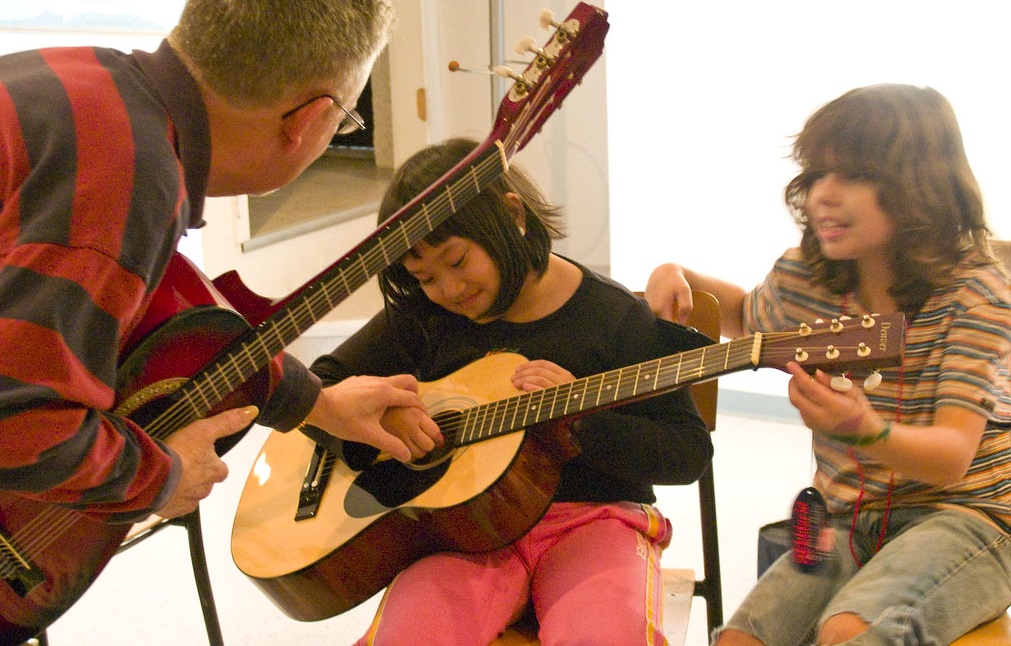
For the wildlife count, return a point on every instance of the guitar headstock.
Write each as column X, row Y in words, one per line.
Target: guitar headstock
column 558, row 66
column 871, row 341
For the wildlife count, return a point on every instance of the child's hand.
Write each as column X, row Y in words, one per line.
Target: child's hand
column 669, row 294
column 826, row 410
column 534, row 375
column 414, row 428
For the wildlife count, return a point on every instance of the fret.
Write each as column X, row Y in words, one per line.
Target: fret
column 469, row 424
column 481, row 421
column 413, row 222
column 224, row 377
column 600, row 391
column 473, row 176
column 498, row 423
column 449, row 195
column 428, row 217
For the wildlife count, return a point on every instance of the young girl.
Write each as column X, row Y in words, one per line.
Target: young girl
column 915, row 472
column 484, row 282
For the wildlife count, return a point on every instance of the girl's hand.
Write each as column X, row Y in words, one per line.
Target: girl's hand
column 534, row 375
column 824, row 410
column 414, row 428
column 355, row 409
column 669, row 294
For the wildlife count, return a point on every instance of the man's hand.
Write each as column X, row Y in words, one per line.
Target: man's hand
column 202, row 468
column 354, row 410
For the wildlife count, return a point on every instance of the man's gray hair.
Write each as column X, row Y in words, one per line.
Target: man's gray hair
column 256, row 52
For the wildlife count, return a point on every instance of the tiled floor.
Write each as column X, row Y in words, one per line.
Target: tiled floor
column 146, row 595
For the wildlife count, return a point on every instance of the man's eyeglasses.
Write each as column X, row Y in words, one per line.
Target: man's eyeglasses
column 352, row 121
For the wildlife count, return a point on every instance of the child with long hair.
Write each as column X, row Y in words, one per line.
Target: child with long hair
column 486, row 281
column 915, row 472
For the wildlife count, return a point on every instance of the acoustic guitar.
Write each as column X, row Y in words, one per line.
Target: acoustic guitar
column 319, row 537
column 206, row 346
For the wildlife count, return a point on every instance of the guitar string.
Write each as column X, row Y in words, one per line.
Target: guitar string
column 543, row 404
column 303, row 315
column 54, row 520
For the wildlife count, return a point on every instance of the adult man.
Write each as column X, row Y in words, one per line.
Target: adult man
column 105, row 160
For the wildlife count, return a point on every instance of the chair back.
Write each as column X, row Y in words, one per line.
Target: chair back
column 705, row 318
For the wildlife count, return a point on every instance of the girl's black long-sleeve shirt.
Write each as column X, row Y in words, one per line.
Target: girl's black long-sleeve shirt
column 625, row 450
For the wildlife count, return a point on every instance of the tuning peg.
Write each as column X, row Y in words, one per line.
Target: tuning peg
column 507, row 72
column 455, row 67
column 872, row 381
column 529, row 45
column 548, row 21
column 521, row 85
column 841, row 383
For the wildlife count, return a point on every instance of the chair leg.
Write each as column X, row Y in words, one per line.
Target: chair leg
column 191, row 522
column 711, row 585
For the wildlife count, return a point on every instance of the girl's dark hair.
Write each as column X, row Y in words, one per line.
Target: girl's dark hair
column 906, row 140
column 485, row 219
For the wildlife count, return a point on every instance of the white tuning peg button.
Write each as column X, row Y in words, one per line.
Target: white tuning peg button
column 527, row 45
column 547, row 18
column 841, row 384
column 505, row 71
column 872, row 381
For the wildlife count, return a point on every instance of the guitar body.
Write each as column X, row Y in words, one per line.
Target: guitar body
column 372, row 524
column 319, row 537
column 195, row 354
column 53, row 554
column 34, row 595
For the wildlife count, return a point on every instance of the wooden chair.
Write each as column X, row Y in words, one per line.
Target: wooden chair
column 993, row 633
column 680, row 585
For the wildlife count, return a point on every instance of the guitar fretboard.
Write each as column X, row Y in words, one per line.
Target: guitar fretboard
column 600, row 391
column 254, row 350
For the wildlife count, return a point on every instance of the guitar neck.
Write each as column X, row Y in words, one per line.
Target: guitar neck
column 254, row 350
column 835, row 346
column 604, row 390
column 556, row 69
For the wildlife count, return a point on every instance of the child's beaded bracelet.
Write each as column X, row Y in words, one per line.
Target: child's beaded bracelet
column 864, row 440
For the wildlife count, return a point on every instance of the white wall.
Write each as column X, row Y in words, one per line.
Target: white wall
column 703, row 98
column 568, row 158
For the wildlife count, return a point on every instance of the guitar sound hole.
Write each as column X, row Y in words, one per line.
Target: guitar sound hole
column 387, row 485
column 433, row 458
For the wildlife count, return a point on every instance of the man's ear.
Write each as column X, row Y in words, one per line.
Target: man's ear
column 515, row 206
column 300, row 121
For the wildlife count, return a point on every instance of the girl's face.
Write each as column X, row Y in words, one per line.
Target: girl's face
column 845, row 215
column 457, row 275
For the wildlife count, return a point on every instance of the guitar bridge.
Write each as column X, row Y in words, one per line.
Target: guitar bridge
column 20, row 573
column 317, row 476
